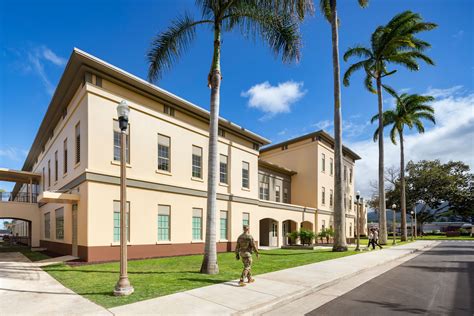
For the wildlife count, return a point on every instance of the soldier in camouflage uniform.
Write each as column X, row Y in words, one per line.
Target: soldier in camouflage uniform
column 244, row 249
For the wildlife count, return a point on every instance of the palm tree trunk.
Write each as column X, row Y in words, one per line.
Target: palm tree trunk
column 402, row 188
column 209, row 262
column 382, row 212
column 339, row 211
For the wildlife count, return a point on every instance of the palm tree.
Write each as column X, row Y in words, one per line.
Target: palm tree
column 394, row 43
column 329, row 10
column 409, row 111
column 279, row 29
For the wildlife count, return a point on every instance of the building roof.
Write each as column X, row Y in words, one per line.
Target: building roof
column 319, row 133
column 275, row 167
column 80, row 62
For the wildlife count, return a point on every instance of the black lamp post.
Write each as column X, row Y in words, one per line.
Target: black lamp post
column 394, row 209
column 357, row 221
column 123, row 286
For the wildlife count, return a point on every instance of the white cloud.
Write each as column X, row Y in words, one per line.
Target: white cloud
column 35, row 59
column 52, row 57
column 459, row 34
column 350, row 128
column 452, row 138
column 273, row 100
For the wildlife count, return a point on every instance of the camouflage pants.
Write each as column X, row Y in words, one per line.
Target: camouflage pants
column 246, row 273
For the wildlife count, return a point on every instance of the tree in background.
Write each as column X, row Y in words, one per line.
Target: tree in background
column 394, row 43
column 446, row 190
column 253, row 18
column 409, row 112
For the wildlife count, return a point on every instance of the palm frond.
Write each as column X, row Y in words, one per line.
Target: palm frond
column 168, row 46
column 357, row 51
column 281, row 31
column 298, row 8
column 352, row 68
column 325, row 8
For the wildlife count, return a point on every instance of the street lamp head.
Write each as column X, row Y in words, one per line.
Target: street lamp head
column 361, row 200
column 412, row 212
column 394, row 206
column 122, row 112
column 357, row 195
column 420, row 202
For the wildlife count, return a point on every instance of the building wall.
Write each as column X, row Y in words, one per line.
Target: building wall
column 146, row 122
column 296, row 157
column 275, row 179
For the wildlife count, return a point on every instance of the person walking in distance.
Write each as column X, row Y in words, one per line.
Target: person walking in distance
column 376, row 239
column 371, row 239
column 243, row 250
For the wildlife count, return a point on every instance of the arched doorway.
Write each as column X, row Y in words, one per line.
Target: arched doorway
column 268, row 232
column 289, row 226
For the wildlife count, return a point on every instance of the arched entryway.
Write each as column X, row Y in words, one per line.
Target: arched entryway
column 20, row 230
column 268, row 236
column 289, row 226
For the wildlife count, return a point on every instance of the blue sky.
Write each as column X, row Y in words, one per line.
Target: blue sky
column 259, row 92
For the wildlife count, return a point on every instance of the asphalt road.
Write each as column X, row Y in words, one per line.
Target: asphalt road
column 440, row 281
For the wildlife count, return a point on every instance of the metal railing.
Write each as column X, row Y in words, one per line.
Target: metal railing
column 23, row 197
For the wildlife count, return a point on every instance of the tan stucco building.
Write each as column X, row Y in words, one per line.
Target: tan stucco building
column 275, row 190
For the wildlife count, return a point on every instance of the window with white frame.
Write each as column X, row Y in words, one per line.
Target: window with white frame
column 164, row 216
column 264, row 190
column 245, row 219
column 197, row 224
column 223, row 225
column 117, row 143
column 331, row 166
column 350, row 175
column 117, row 221
column 285, row 195
column 223, row 169
column 245, row 175
column 59, row 223
column 47, row 225
column 323, row 162
column 56, row 166
column 323, row 195
column 164, row 148
column 277, row 193
column 197, row 162
column 331, row 194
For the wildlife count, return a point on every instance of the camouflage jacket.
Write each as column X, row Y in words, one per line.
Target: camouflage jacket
column 245, row 245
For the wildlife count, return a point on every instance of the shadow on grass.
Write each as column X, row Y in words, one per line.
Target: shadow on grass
column 109, row 293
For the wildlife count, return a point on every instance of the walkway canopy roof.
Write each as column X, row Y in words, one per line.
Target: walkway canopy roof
column 19, row 176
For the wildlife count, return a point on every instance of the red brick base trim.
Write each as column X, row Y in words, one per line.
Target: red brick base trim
column 112, row 253
column 56, row 247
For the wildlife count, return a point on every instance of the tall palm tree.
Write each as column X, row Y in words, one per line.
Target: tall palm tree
column 394, row 43
column 281, row 32
column 329, row 10
column 410, row 110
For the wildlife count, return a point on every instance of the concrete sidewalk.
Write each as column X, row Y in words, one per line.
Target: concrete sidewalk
column 270, row 290
column 25, row 289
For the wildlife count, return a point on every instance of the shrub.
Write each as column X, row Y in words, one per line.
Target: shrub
column 293, row 236
column 306, row 236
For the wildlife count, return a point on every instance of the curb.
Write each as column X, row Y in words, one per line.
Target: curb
column 278, row 302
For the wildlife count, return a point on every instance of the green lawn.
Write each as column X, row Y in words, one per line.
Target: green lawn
column 32, row 255
column 162, row 276
column 443, row 237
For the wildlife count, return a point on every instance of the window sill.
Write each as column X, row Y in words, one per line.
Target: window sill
column 65, row 175
column 197, row 179
column 246, row 189
column 197, row 241
column 117, row 244
column 164, row 242
column 117, row 163
column 77, row 165
column 163, row 172
column 223, row 184
column 223, row 240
